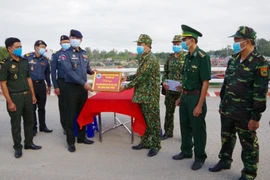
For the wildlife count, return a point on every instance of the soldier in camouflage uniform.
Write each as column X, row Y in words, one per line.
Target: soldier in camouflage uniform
column 243, row 99
column 146, row 84
column 172, row 71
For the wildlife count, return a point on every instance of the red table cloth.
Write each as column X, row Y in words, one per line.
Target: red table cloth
column 118, row 102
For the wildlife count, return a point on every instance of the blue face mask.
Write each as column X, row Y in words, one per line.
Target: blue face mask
column 17, row 52
column 177, row 48
column 41, row 51
column 237, row 47
column 65, row 46
column 140, row 49
column 184, row 45
column 75, row 42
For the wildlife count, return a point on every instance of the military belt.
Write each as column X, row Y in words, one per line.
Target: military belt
column 38, row 81
column 194, row 92
column 20, row 93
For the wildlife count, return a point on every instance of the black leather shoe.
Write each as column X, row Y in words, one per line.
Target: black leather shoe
column 71, row 148
column 33, row 147
column 34, row 132
column 164, row 137
column 152, row 152
column 245, row 178
column 85, row 141
column 181, row 156
column 197, row 165
column 139, row 147
column 18, row 153
column 46, row 130
column 219, row 166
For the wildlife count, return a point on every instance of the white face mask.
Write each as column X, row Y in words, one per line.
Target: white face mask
column 75, row 42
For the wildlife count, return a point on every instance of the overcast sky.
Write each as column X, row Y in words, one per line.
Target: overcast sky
column 108, row 24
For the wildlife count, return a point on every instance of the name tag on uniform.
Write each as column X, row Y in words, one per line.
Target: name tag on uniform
column 74, row 57
column 32, row 62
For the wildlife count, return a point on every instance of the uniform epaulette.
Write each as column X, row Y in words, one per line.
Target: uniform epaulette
column 201, row 54
column 3, row 61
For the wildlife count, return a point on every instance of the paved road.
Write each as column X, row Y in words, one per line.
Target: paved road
column 113, row 158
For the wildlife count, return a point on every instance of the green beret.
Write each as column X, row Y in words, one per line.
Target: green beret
column 144, row 39
column 245, row 33
column 190, row 32
column 177, row 38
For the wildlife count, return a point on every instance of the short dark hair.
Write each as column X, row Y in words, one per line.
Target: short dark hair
column 253, row 42
column 195, row 39
column 10, row 41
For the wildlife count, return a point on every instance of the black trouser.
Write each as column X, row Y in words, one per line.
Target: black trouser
column 61, row 102
column 23, row 102
column 76, row 97
column 41, row 95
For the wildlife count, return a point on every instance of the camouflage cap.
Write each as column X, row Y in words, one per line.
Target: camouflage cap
column 144, row 39
column 177, row 38
column 245, row 33
column 190, row 32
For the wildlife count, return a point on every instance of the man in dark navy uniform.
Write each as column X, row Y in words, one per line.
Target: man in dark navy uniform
column 40, row 71
column 58, row 75
column 76, row 66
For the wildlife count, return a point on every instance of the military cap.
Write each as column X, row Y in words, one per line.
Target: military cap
column 190, row 32
column 39, row 42
column 245, row 33
column 144, row 39
column 76, row 33
column 177, row 38
column 64, row 37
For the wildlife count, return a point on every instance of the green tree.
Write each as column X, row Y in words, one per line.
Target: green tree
column 89, row 52
column 3, row 53
column 263, row 46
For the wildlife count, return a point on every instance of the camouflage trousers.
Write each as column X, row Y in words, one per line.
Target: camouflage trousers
column 170, row 109
column 249, row 143
column 151, row 137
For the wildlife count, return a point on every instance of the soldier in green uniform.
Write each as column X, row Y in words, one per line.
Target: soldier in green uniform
column 243, row 99
column 146, row 84
column 172, row 71
column 195, row 81
column 18, row 90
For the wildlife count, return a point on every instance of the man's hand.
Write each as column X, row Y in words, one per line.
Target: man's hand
column 57, row 91
column 179, row 88
column 49, row 90
column 197, row 111
column 34, row 99
column 166, row 86
column 12, row 107
column 177, row 102
column 87, row 87
column 253, row 125
column 122, row 88
column 123, row 79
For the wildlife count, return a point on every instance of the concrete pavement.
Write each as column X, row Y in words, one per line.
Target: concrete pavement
column 114, row 159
